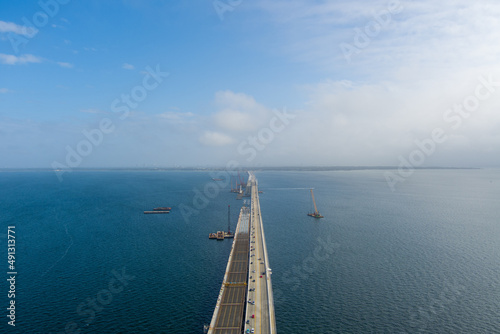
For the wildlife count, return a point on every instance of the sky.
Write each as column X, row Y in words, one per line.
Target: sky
column 154, row 83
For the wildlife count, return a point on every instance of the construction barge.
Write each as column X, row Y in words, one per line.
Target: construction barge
column 159, row 210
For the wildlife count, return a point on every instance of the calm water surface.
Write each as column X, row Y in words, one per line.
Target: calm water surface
column 422, row 259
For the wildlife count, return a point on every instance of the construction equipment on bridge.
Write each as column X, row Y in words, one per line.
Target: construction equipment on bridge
column 228, row 234
column 220, row 235
column 235, row 284
column 314, row 214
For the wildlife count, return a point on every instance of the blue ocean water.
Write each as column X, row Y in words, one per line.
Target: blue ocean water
column 422, row 259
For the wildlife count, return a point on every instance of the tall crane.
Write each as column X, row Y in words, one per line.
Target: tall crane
column 315, row 214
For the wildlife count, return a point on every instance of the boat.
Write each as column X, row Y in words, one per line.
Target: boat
column 162, row 209
column 220, row 235
column 314, row 214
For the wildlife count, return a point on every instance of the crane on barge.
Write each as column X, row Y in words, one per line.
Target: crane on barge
column 314, row 214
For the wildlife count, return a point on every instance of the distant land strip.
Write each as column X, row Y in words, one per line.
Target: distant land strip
column 278, row 168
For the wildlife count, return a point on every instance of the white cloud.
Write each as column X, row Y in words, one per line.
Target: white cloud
column 212, row 138
column 4, row 91
column 425, row 38
column 128, row 66
column 65, row 65
column 395, row 91
column 349, row 123
column 373, row 124
column 14, row 28
column 238, row 112
column 13, row 60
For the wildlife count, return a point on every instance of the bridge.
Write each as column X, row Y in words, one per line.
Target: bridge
column 245, row 300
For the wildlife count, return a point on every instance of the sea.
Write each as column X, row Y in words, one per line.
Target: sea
column 423, row 257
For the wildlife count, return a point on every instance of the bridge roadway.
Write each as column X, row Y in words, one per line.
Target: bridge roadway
column 259, row 287
column 244, row 292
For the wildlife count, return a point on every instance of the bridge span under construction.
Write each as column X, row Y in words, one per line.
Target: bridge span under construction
column 245, row 302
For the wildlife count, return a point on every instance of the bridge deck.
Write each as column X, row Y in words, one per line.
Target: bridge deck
column 247, row 274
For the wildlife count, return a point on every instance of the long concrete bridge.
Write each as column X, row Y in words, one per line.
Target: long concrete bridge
column 245, row 303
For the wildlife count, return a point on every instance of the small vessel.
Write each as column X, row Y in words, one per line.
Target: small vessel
column 314, row 214
column 162, row 209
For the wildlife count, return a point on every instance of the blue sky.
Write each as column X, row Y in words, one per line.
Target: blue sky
column 363, row 83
